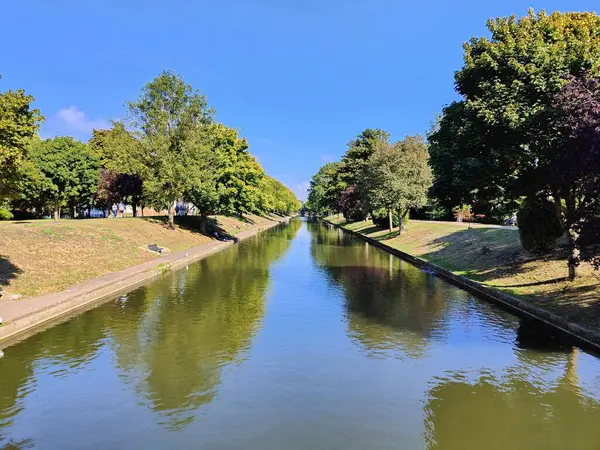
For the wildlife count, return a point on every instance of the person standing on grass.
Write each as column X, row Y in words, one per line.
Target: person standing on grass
column 114, row 210
column 122, row 209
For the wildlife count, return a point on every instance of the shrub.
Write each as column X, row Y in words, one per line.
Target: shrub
column 539, row 225
column 5, row 214
column 380, row 218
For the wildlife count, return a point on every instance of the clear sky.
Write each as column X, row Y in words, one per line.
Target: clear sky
column 298, row 78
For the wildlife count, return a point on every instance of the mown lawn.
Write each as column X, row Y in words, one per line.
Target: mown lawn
column 42, row 256
column 493, row 256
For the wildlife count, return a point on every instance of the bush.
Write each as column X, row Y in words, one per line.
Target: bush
column 380, row 218
column 5, row 214
column 539, row 226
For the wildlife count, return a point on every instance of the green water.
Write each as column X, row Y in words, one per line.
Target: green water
column 300, row 338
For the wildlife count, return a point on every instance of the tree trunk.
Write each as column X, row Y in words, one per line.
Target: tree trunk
column 400, row 222
column 203, row 221
column 56, row 211
column 574, row 253
column 390, row 220
column 558, row 204
column 573, row 235
column 172, row 216
column 134, row 207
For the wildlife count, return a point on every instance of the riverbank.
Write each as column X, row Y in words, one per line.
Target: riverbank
column 23, row 315
column 489, row 260
column 39, row 257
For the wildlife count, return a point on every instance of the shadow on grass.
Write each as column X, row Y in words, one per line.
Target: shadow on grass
column 205, row 226
column 8, row 271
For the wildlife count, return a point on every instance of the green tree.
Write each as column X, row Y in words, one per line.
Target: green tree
column 122, row 168
column 231, row 181
column 18, row 124
column 506, row 133
column 277, row 198
column 168, row 121
column 397, row 177
column 66, row 174
column 358, row 153
column 325, row 189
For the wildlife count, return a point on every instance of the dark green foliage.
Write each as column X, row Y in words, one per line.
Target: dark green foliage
column 539, row 225
column 380, row 218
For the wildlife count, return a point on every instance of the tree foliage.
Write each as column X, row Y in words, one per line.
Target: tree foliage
column 66, row 174
column 539, row 226
column 19, row 123
column 168, row 121
column 325, row 189
column 513, row 135
column 397, row 177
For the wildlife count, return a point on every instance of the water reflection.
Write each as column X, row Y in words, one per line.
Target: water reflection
column 170, row 338
column 391, row 306
column 353, row 349
column 512, row 410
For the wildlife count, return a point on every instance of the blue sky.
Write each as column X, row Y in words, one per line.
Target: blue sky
column 298, row 78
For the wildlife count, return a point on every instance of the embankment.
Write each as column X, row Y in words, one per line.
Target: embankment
column 24, row 316
column 454, row 252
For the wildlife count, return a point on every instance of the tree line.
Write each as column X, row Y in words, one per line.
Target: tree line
column 524, row 136
column 168, row 149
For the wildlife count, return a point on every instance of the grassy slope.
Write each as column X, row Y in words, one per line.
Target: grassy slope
column 38, row 257
column 502, row 264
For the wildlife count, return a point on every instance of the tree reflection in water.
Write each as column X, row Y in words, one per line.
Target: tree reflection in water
column 392, row 307
column 487, row 410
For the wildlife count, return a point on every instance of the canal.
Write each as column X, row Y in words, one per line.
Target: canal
column 300, row 338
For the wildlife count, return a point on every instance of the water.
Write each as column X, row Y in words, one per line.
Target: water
column 301, row 338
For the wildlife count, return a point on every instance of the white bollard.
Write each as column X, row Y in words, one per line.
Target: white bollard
column 1, row 354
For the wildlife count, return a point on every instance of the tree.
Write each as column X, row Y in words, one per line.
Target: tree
column 168, row 121
column 325, row 189
column 463, row 213
column 397, row 178
column 66, row 174
column 358, row 153
column 18, row 125
column 277, row 198
column 508, row 124
column 232, row 176
column 122, row 169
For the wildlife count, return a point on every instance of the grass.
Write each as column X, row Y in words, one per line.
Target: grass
column 494, row 257
column 43, row 256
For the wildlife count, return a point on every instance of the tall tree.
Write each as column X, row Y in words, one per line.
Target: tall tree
column 168, row 120
column 507, row 126
column 19, row 122
column 397, row 177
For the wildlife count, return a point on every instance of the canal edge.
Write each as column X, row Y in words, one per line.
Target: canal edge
column 48, row 310
column 584, row 337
